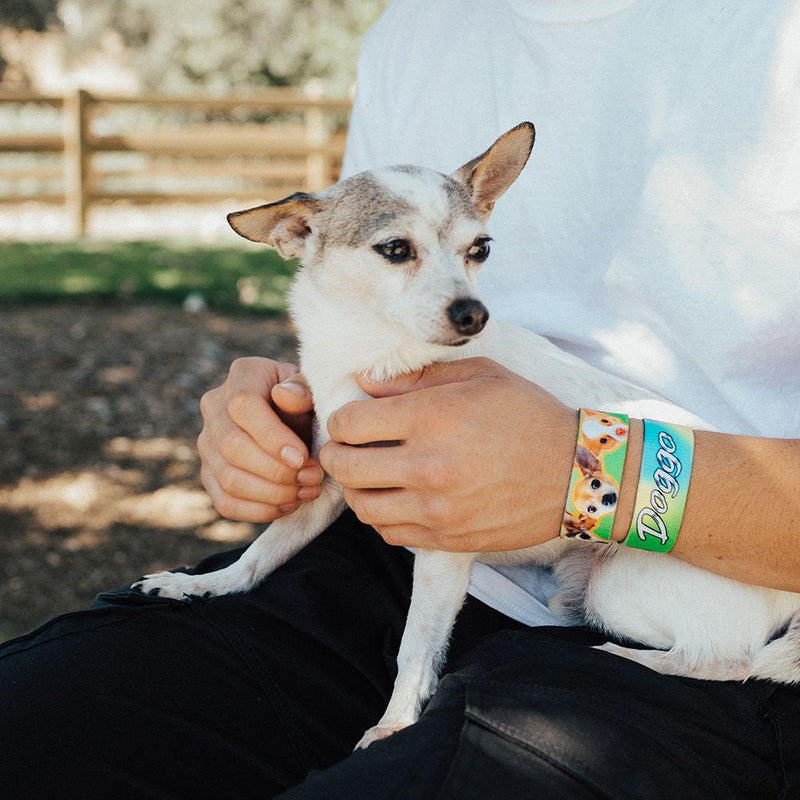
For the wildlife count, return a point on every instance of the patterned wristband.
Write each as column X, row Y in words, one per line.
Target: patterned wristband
column 663, row 486
column 596, row 475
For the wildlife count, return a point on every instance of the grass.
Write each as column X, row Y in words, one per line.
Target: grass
column 226, row 278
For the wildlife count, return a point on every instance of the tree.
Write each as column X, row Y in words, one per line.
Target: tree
column 222, row 44
column 27, row 14
column 34, row 15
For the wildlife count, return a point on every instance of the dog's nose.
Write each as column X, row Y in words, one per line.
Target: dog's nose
column 609, row 499
column 467, row 316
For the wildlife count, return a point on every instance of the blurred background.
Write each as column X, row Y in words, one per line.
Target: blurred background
column 128, row 130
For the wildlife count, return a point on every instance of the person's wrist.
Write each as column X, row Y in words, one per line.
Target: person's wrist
column 563, row 456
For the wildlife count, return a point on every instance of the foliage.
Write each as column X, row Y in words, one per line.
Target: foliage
column 31, row 15
column 22, row 15
column 226, row 278
column 223, row 44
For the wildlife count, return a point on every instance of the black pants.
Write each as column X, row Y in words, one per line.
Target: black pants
column 250, row 695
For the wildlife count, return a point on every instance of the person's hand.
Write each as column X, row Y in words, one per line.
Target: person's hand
column 483, row 461
column 254, row 443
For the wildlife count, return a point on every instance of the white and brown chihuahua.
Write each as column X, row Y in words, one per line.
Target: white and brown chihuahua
column 388, row 286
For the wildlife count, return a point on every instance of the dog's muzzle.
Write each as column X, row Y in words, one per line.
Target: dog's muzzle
column 467, row 316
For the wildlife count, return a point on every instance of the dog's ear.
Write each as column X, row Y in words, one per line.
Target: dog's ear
column 588, row 462
column 284, row 225
column 580, row 527
column 488, row 176
column 571, row 524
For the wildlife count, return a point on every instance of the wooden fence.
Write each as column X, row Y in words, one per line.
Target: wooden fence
column 298, row 147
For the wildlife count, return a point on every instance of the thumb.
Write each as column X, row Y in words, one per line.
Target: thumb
column 437, row 374
column 292, row 395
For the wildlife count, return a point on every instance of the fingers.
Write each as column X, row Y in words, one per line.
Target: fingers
column 405, row 518
column 253, row 414
column 255, row 466
column 382, row 507
column 436, row 374
column 402, row 404
column 367, row 467
column 408, row 535
column 229, row 444
column 236, row 508
column 367, row 421
column 294, row 405
column 239, row 481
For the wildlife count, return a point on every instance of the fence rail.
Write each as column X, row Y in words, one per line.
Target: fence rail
column 300, row 147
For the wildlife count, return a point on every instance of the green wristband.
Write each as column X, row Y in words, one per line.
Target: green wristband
column 596, row 474
column 663, row 486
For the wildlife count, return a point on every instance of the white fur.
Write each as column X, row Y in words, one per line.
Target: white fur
column 356, row 313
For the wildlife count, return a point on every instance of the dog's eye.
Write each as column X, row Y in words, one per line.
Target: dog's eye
column 595, row 484
column 591, row 509
column 396, row 250
column 480, row 249
column 603, row 440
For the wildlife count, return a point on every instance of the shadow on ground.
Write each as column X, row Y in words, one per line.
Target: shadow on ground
column 99, row 477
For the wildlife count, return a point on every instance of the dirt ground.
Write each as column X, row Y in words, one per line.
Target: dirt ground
column 99, row 478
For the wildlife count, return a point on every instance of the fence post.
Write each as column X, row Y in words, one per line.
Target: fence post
column 76, row 159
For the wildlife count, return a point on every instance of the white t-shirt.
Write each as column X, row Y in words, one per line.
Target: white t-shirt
column 656, row 229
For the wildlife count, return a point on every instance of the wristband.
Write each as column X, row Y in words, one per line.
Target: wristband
column 596, row 474
column 663, row 486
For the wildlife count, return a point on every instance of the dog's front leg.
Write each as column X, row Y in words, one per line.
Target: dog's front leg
column 276, row 545
column 440, row 586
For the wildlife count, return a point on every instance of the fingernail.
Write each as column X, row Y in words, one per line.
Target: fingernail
column 309, row 476
column 293, row 386
column 288, row 508
column 292, row 457
column 308, row 493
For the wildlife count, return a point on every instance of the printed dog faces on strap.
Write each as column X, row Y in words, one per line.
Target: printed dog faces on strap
column 596, row 474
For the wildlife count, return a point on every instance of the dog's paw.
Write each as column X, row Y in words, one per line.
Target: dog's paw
column 177, row 585
column 377, row 733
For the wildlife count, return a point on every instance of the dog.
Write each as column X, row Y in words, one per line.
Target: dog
column 388, row 285
column 602, row 433
column 580, row 527
column 595, row 494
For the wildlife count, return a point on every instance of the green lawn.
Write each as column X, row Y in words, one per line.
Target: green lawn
column 227, row 278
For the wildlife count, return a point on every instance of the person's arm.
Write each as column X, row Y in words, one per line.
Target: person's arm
column 484, row 464
column 739, row 519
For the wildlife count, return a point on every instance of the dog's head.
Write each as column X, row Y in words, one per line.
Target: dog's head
column 595, row 494
column 580, row 527
column 602, row 433
column 404, row 242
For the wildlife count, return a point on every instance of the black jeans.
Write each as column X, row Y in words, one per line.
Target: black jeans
column 251, row 695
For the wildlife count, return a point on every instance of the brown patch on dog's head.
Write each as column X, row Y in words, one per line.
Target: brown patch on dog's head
column 358, row 207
